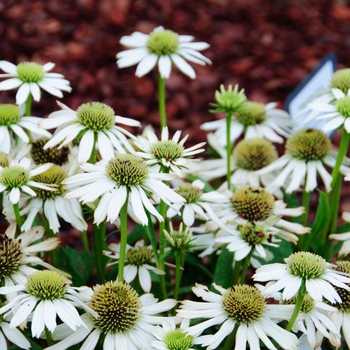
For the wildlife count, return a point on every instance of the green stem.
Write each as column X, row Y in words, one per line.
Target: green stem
column 153, row 239
column 306, row 204
column 92, row 159
column 161, row 102
column 334, row 207
column 18, row 217
column 342, row 151
column 98, row 234
column 179, row 262
column 228, row 148
column 28, row 106
column 48, row 335
column 123, row 239
column 298, row 303
column 236, row 272
column 85, row 240
column 246, row 264
column 49, row 233
column 230, row 338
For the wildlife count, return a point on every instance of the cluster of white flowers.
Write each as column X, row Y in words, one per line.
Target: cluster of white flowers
column 94, row 172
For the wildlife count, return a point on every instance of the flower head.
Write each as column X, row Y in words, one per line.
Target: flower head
column 229, row 100
column 138, row 261
column 30, row 77
column 12, row 122
column 307, row 151
column 254, row 120
column 169, row 153
column 124, row 319
column 52, row 203
column 125, row 177
column 197, row 203
column 93, row 120
column 17, row 254
column 45, row 295
column 240, row 306
column 171, row 337
column 162, row 46
column 17, row 178
column 304, row 269
column 314, row 321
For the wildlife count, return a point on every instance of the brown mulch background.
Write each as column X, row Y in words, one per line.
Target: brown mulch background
column 266, row 46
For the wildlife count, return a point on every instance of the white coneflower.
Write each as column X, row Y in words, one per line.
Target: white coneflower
column 162, row 46
column 307, row 153
column 313, row 320
column 257, row 205
column 125, row 320
column 198, row 204
column 45, row 296
column 126, row 176
column 52, row 203
column 138, row 261
column 242, row 308
column 13, row 123
column 18, row 176
column 95, row 123
column 30, row 77
column 18, row 254
column 304, row 268
column 246, row 239
column 169, row 153
column 335, row 113
column 338, row 87
column 254, row 120
column 171, row 337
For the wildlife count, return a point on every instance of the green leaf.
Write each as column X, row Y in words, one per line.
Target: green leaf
column 321, row 221
column 77, row 264
column 223, row 270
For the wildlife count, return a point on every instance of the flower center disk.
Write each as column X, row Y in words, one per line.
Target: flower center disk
column 306, row 265
column 253, row 234
column 127, row 170
column 15, row 176
column 10, row 256
column 253, row 203
column 9, row 114
column 162, row 43
column 243, row 303
column 343, row 106
column 139, row 256
column 96, row 116
column 341, row 80
column 168, row 150
column 191, row 193
column 53, row 176
column 117, row 305
column 177, row 340
column 254, row 154
column 47, row 285
column 308, row 145
column 251, row 113
column 30, row 72
column 51, row 155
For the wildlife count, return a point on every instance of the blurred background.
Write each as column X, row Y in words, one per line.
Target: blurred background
column 266, row 46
